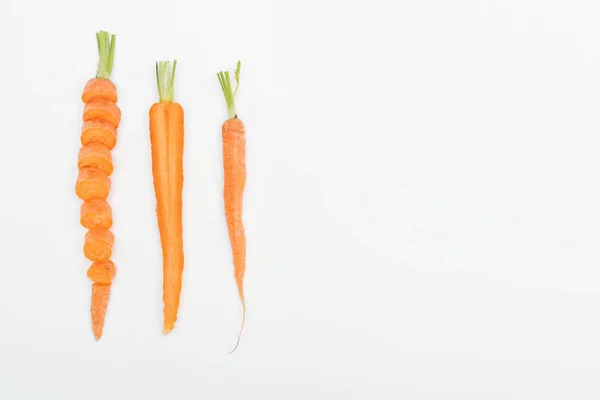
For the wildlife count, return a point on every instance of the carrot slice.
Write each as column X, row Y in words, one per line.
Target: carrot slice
column 99, row 88
column 92, row 183
column 96, row 214
column 100, row 294
column 98, row 244
column 95, row 155
column 103, row 110
column 102, row 272
column 98, row 131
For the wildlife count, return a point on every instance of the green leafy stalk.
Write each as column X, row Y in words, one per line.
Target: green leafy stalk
column 165, row 80
column 106, row 51
column 225, row 82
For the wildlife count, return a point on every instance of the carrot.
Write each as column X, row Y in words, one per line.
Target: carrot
column 95, row 155
column 98, row 131
column 100, row 295
column 234, row 167
column 101, row 117
column 98, row 244
column 92, row 183
column 102, row 272
column 99, row 88
column 102, row 109
column 96, row 214
column 166, row 138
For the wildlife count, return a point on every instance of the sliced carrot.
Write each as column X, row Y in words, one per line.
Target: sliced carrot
column 92, row 183
column 98, row 244
column 96, row 214
column 99, row 88
column 98, row 131
column 103, row 110
column 102, row 272
column 100, row 294
column 101, row 117
column 166, row 137
column 95, row 155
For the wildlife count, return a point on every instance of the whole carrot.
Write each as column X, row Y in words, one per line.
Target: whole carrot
column 234, row 167
column 166, row 137
column 101, row 118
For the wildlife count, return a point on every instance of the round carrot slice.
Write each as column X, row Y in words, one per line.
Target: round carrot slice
column 97, row 131
column 92, row 183
column 103, row 110
column 96, row 214
column 98, row 244
column 98, row 88
column 95, row 155
column 102, row 272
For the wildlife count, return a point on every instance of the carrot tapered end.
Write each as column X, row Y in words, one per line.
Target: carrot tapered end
column 168, row 328
column 100, row 295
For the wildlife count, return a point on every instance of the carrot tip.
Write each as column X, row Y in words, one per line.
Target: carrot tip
column 167, row 329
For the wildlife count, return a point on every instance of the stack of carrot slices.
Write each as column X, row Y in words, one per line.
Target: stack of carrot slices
column 101, row 118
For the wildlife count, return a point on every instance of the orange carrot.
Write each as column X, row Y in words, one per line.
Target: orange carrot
column 102, row 109
column 234, row 167
column 98, row 244
column 96, row 214
column 102, row 272
column 98, row 88
column 95, row 155
column 92, row 183
column 98, row 131
column 101, row 117
column 166, row 138
column 100, row 295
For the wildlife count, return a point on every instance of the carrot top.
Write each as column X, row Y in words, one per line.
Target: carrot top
column 165, row 79
column 225, row 82
column 106, row 50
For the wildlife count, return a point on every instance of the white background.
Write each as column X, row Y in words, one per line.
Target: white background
column 422, row 206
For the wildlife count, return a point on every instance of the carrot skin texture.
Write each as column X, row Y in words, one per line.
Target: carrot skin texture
column 103, row 110
column 234, row 166
column 95, row 155
column 92, row 183
column 98, row 131
column 98, row 88
column 100, row 295
column 102, row 272
column 98, row 244
column 166, row 137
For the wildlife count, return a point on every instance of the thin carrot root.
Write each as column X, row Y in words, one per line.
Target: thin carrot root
column 234, row 167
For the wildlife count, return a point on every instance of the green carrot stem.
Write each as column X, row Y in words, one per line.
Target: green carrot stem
column 106, row 52
column 165, row 80
column 225, row 82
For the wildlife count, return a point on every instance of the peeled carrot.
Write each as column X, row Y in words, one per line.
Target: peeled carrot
column 166, row 138
column 92, row 183
column 234, row 167
column 95, row 155
column 101, row 117
column 96, row 214
column 102, row 272
column 98, row 244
